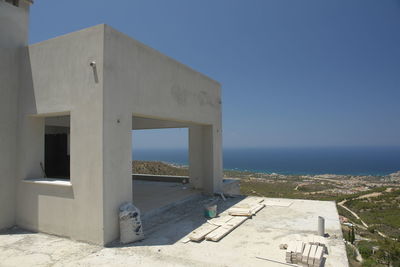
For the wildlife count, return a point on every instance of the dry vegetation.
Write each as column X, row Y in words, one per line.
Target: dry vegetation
column 158, row 168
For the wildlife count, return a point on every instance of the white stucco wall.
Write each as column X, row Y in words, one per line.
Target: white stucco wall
column 141, row 81
column 13, row 39
column 132, row 80
column 157, row 86
column 58, row 80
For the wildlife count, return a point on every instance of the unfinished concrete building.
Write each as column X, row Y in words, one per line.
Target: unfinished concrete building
column 67, row 109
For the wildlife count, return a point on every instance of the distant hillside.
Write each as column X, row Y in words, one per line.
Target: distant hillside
column 158, row 168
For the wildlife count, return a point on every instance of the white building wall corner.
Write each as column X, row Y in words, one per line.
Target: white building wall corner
column 13, row 40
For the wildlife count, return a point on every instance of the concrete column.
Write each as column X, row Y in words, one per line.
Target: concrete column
column 205, row 158
column 13, row 37
column 8, row 133
column 85, row 210
column 117, row 162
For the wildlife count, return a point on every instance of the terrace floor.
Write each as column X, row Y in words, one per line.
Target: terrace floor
column 151, row 197
column 254, row 243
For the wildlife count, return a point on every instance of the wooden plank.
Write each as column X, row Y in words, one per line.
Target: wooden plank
column 220, row 220
column 240, row 211
column 311, row 256
column 185, row 239
column 299, row 251
column 251, row 210
column 257, row 208
column 225, row 229
column 318, row 256
column 306, row 252
column 202, row 231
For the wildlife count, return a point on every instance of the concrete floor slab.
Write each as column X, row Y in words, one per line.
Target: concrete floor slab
column 254, row 243
column 151, row 196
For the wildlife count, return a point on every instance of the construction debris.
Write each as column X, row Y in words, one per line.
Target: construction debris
column 219, row 221
column 308, row 254
column 225, row 229
column 221, row 194
column 202, row 231
column 130, row 224
column 283, row 246
column 247, row 207
column 240, row 211
column 217, row 228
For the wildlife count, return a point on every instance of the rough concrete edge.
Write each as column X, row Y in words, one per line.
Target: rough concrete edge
column 342, row 236
column 66, row 35
column 103, row 78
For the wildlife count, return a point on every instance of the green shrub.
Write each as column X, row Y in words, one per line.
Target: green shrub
column 365, row 252
column 369, row 263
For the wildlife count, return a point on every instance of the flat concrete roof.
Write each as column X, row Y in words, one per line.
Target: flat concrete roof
column 259, row 237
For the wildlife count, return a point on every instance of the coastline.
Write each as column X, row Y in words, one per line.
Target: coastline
column 305, row 174
column 346, row 161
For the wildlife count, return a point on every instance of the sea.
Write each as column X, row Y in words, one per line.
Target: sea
column 376, row 161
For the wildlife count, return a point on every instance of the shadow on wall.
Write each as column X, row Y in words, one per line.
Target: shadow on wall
column 31, row 207
column 27, row 89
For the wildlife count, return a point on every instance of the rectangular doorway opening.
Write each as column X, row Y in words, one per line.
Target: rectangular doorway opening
column 160, row 164
column 160, row 152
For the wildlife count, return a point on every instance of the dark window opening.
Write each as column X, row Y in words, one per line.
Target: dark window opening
column 57, row 152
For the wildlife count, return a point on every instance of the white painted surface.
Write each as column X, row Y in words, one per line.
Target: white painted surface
column 13, row 39
column 141, row 82
column 130, row 79
column 48, row 181
column 59, row 81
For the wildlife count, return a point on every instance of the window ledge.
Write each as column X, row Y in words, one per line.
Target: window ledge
column 48, row 181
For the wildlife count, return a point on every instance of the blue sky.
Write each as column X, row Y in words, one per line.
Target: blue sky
column 293, row 73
